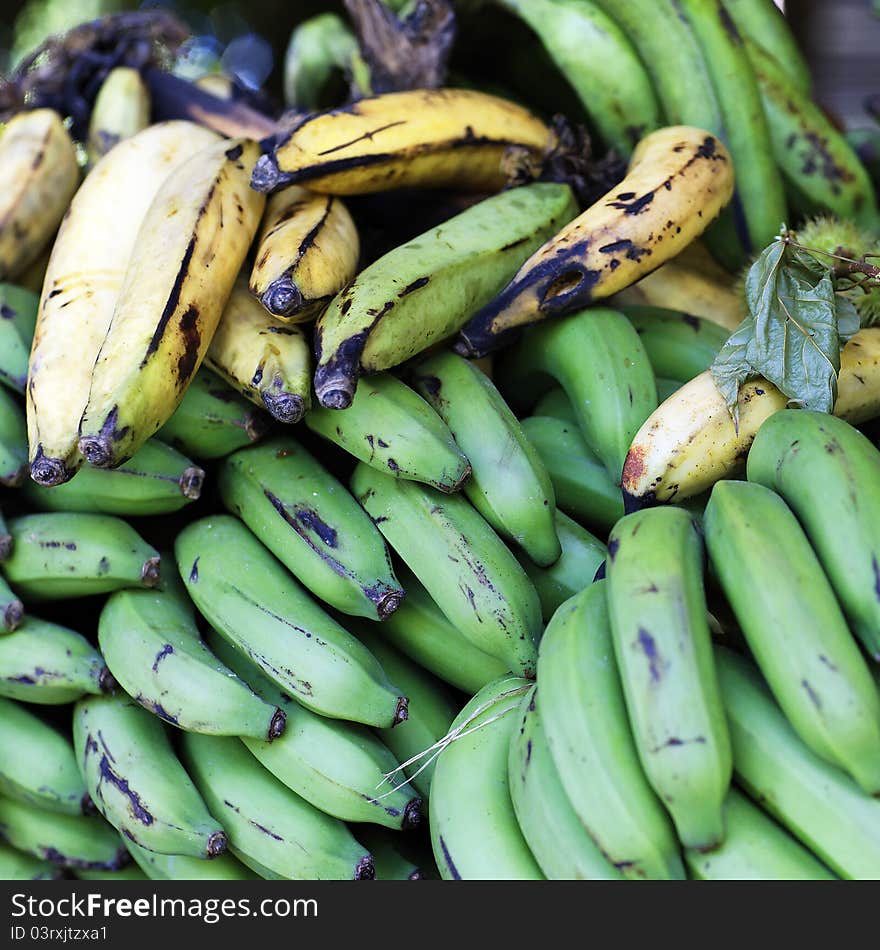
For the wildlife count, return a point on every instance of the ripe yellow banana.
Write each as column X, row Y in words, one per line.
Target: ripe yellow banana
column 83, row 280
column 266, row 360
column 190, row 248
column 691, row 441
column 122, row 109
column 40, row 174
column 679, row 179
column 307, row 252
column 435, row 138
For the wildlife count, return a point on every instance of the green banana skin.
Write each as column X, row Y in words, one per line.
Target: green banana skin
column 509, row 486
column 657, row 607
column 666, row 387
column 582, row 553
column 794, row 626
column 18, row 866
column 319, row 50
column 755, row 848
column 64, row 554
column 394, row 430
column 584, row 716
column 425, row 290
column 11, row 608
column 266, row 615
column 266, row 822
column 47, row 664
column 393, row 862
column 419, row 629
column 157, row 480
column 13, row 441
column 612, row 397
column 817, row 802
column 479, row 585
column 69, row 841
column 38, row 764
column 136, row 781
column 474, row 830
column 181, row 867
column 581, row 483
column 560, row 843
column 555, row 403
column 310, row 522
column 829, row 475
column 131, row 872
column 153, row 648
column 679, row 345
column 213, row 420
column 5, row 538
column 18, row 318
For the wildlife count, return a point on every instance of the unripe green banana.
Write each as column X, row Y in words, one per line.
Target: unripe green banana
column 462, row 563
column 181, row 867
column 50, row 665
column 559, row 841
column 11, row 608
column 63, row 554
column 121, row 109
column 136, row 781
column 18, row 866
column 264, row 613
column 817, row 802
column 829, row 474
column 509, row 485
column 266, row 822
column 392, row 858
column 319, row 47
column 13, row 441
column 38, row 764
column 794, row 626
column 153, row 648
column 555, row 403
column 130, row 872
column 474, row 830
column 393, row 429
column 584, row 716
column 311, row 523
column 18, row 317
column 657, row 608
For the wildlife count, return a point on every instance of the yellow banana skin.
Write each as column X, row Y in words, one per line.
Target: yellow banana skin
column 264, row 359
column 190, row 248
column 679, row 179
column 434, row 138
column 691, row 440
column 307, row 252
column 122, row 109
column 40, row 175
column 82, row 284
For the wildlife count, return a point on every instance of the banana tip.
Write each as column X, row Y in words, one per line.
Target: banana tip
column 285, row 407
column 364, row 869
column 277, row 725
column 282, row 297
column 191, row 482
column 336, row 398
column 96, row 451
column 106, row 681
column 216, row 844
column 49, row 472
column 401, row 713
column 13, row 614
column 150, row 572
column 389, row 603
column 412, row 814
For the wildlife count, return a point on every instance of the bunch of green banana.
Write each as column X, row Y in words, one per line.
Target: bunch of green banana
column 319, row 48
column 121, row 110
column 13, row 441
column 19, row 866
column 182, row 867
column 266, row 615
column 18, row 317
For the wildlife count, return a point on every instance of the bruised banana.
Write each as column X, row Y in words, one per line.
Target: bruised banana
column 434, row 138
column 40, row 175
column 265, row 360
column 190, row 247
column 121, row 110
column 679, row 179
column 307, row 251
column 423, row 291
column 18, row 317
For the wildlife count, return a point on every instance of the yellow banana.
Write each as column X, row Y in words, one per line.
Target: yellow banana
column 190, row 247
column 122, row 109
column 266, row 360
column 40, row 174
column 307, row 252
column 82, row 284
column 690, row 441
column 679, row 179
column 435, row 138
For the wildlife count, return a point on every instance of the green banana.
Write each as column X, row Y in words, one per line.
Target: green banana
column 213, row 420
column 153, row 648
column 829, row 474
column 181, row 867
column 267, row 823
column 156, row 480
column 657, row 608
column 311, row 523
column 11, row 608
column 18, row 318
column 818, row 803
column 611, row 400
column 509, row 485
column 13, row 441
column 391, row 858
column 18, row 866
column 667, row 387
column 393, row 429
column 64, row 554
column 555, row 403
column 265, row 614
column 755, row 848
column 474, row 830
column 465, row 567
column 584, row 717
column 787, row 610
column 319, row 50
column 48, row 664
column 38, row 764
column 136, row 781
column 130, row 872
column 558, row 840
